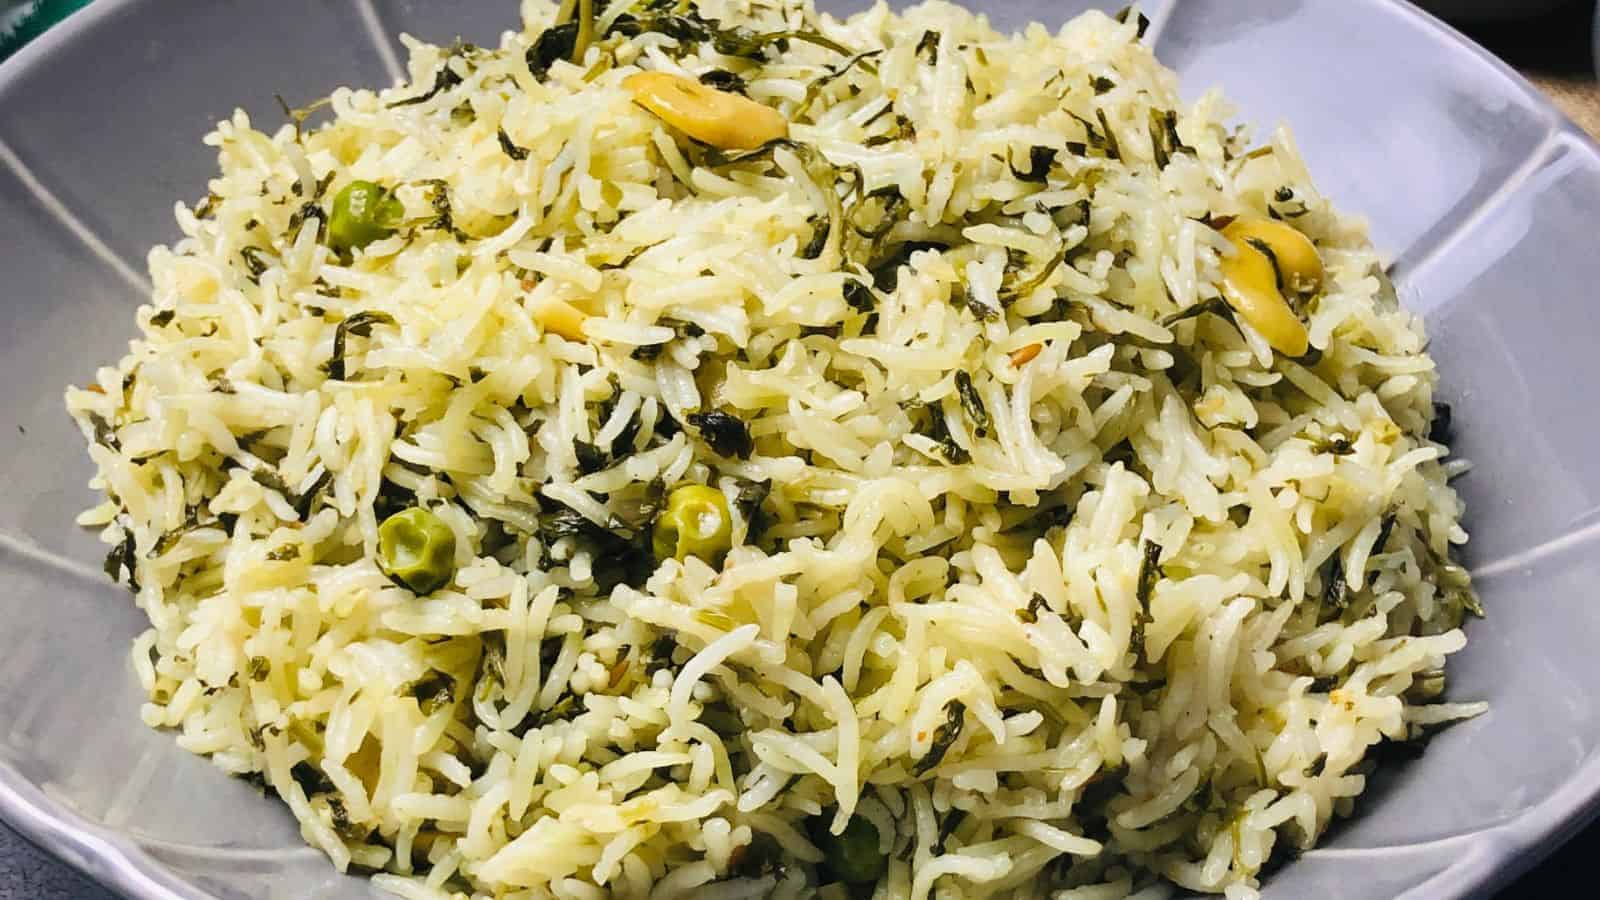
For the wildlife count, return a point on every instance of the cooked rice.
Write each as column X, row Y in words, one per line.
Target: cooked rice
column 558, row 722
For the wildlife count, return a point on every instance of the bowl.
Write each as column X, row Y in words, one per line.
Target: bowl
column 1479, row 191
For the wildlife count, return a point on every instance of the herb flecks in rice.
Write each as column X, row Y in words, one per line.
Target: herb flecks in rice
column 1046, row 570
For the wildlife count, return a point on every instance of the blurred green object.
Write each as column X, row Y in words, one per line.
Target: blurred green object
column 21, row 22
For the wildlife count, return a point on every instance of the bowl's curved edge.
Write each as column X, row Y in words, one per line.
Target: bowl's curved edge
column 1502, row 854
column 1505, row 852
column 112, row 860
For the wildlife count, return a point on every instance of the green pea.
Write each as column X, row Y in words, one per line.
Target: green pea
column 852, row 856
column 417, row 550
column 696, row 522
column 362, row 213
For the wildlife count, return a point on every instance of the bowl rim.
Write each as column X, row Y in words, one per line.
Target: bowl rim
column 1490, row 858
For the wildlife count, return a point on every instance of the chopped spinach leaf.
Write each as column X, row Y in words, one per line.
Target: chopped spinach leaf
column 723, row 80
column 359, row 324
column 553, row 44
column 311, row 779
column 943, row 738
column 433, row 691
column 886, row 271
column 590, row 458
column 1149, row 574
column 1040, row 159
column 726, row 434
column 971, row 403
column 859, row 296
column 1334, row 587
column 255, row 262
column 1036, row 604
column 123, row 556
column 443, row 80
column 511, row 149
column 1128, row 12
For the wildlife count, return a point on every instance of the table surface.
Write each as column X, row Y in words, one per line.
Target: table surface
column 1554, row 52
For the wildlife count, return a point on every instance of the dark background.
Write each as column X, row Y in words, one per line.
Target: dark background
column 1555, row 51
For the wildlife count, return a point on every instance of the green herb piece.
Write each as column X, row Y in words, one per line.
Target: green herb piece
column 1040, row 159
column 1164, row 138
column 585, row 35
column 660, row 654
column 749, row 501
column 938, row 431
column 814, row 89
column 104, row 434
column 1128, row 12
column 626, row 548
column 622, row 445
column 1030, row 615
column 722, row 719
column 511, row 149
column 258, row 668
column 590, row 458
column 971, row 403
column 1112, row 148
column 1015, row 291
column 1149, row 573
column 981, row 311
column 726, row 434
column 443, row 80
column 929, row 44
column 947, row 828
column 552, row 44
column 439, row 199
column 308, row 211
column 762, row 856
column 285, row 553
column 563, row 710
column 123, row 555
column 417, row 550
column 433, row 691
column 858, row 296
column 744, row 44
column 723, row 80
column 1214, row 306
column 299, row 115
column 311, row 779
column 886, row 271
column 943, row 738
column 1338, row 445
column 256, row 262
column 1384, row 530
column 819, row 240
column 1334, row 588
column 852, row 856
column 207, row 208
column 308, row 498
column 359, row 324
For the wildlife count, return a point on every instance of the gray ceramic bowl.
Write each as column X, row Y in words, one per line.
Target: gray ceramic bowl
column 1481, row 193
